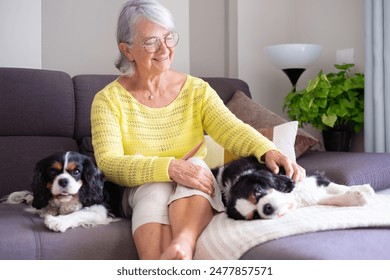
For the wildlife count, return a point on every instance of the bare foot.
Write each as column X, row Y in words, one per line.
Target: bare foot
column 177, row 251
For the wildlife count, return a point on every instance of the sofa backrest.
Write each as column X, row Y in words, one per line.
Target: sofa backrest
column 227, row 87
column 37, row 118
column 36, row 103
column 85, row 87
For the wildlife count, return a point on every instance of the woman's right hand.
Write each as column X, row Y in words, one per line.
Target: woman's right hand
column 191, row 175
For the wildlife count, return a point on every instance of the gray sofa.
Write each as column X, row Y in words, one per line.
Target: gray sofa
column 42, row 112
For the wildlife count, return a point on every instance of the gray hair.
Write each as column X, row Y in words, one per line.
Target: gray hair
column 132, row 12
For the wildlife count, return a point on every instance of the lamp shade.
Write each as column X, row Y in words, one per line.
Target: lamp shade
column 287, row 56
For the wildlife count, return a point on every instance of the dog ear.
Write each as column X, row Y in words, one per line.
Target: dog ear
column 232, row 211
column 283, row 183
column 278, row 182
column 93, row 182
column 39, row 188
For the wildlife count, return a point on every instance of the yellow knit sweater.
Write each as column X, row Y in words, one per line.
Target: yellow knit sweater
column 134, row 144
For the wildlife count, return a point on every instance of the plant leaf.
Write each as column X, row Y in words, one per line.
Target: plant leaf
column 321, row 102
column 344, row 66
column 330, row 100
column 329, row 120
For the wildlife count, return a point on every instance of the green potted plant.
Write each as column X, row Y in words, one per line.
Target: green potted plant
column 332, row 103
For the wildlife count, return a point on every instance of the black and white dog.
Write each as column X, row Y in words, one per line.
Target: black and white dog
column 68, row 191
column 251, row 191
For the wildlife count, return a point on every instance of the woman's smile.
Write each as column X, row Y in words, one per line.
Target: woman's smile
column 161, row 58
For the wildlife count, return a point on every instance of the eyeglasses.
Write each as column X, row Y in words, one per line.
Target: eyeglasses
column 152, row 44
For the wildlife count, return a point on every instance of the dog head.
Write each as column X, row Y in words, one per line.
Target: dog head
column 67, row 174
column 260, row 195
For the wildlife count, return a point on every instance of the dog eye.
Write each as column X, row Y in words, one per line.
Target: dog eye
column 53, row 172
column 258, row 193
column 75, row 172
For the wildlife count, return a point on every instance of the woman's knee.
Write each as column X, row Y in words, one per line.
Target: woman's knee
column 151, row 193
column 149, row 204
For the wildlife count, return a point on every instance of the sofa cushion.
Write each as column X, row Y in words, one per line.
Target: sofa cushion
column 215, row 153
column 85, row 88
column 36, row 103
column 19, row 155
column 282, row 135
column 350, row 168
column 227, row 87
column 349, row 244
column 258, row 116
column 24, row 236
column 16, row 241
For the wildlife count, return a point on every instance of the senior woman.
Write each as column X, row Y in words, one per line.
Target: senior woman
column 147, row 120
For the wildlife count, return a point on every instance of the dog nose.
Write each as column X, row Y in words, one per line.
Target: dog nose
column 63, row 182
column 268, row 209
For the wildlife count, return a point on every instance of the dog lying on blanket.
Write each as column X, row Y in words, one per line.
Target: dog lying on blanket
column 251, row 191
column 67, row 191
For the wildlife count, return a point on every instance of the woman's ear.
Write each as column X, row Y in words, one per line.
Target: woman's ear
column 125, row 50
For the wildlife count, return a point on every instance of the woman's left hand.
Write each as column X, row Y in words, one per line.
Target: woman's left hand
column 275, row 159
column 191, row 175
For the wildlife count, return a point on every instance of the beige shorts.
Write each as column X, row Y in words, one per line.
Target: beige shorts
column 149, row 203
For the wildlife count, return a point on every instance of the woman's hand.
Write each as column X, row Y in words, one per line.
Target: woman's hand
column 191, row 175
column 275, row 159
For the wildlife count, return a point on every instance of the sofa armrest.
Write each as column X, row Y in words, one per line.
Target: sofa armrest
column 350, row 168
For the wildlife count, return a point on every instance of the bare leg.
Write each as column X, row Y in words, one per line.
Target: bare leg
column 188, row 217
column 151, row 239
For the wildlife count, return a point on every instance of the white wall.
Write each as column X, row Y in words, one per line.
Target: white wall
column 181, row 11
column 75, row 36
column 338, row 25
column 333, row 24
column 251, row 25
column 208, row 44
column 262, row 23
column 227, row 38
column 80, row 36
column 20, row 33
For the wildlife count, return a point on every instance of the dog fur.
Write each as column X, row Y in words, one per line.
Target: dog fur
column 68, row 190
column 251, row 191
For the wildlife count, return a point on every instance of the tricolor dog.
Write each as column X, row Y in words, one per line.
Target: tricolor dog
column 251, row 191
column 67, row 191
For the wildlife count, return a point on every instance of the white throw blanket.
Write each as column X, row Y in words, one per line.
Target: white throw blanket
column 225, row 238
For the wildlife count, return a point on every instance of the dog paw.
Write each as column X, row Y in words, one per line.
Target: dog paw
column 355, row 198
column 52, row 212
column 366, row 189
column 53, row 223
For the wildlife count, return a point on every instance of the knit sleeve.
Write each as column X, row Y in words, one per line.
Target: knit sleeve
column 122, row 169
column 230, row 132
